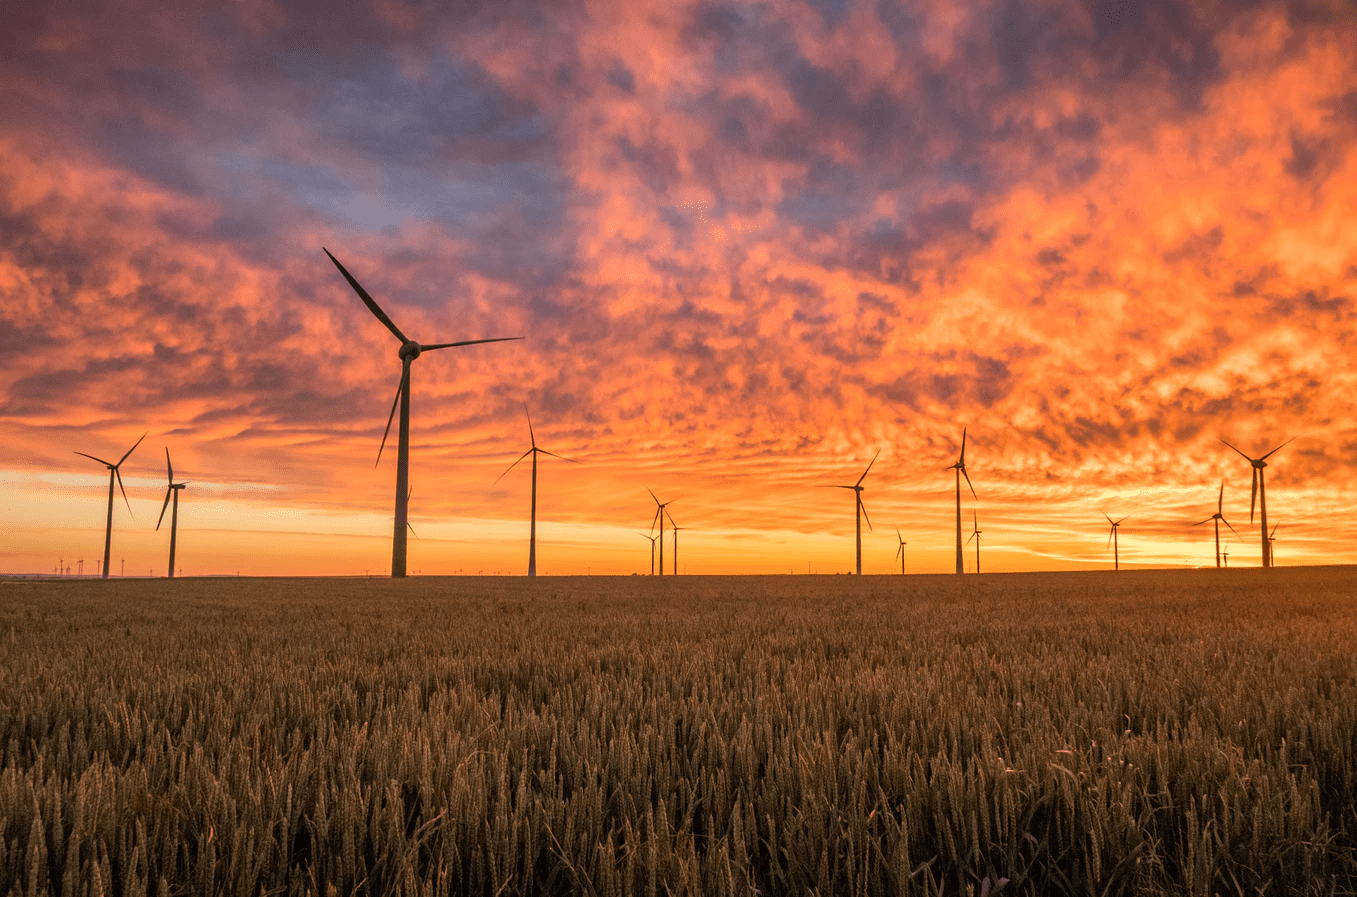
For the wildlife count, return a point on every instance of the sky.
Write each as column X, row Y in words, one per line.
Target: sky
column 748, row 246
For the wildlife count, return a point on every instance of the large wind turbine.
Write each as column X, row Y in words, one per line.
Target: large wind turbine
column 975, row 523
column 1112, row 541
column 652, row 539
column 960, row 468
column 532, row 527
column 409, row 351
column 659, row 515
column 900, row 552
column 1219, row 518
column 112, row 475
column 172, row 489
column 861, row 510
column 1260, row 493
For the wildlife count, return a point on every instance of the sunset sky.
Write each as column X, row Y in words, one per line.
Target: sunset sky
column 748, row 246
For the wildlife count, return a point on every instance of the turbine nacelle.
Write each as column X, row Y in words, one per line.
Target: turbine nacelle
column 409, row 351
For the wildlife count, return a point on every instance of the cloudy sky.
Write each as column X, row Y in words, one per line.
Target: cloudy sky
column 749, row 245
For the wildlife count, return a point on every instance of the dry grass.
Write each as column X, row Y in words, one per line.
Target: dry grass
column 1186, row 733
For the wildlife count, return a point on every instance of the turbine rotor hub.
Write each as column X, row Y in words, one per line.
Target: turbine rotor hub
column 409, row 351
column 1260, row 464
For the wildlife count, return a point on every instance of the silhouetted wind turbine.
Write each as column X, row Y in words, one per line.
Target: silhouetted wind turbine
column 652, row 539
column 112, row 475
column 960, row 468
column 659, row 515
column 1219, row 518
column 861, row 510
column 172, row 489
column 975, row 524
column 1272, row 537
column 1112, row 541
column 532, row 527
column 409, row 351
column 1260, row 493
column 900, row 552
column 674, row 528
column 1226, row 555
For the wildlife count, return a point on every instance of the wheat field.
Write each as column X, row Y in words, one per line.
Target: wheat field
column 1188, row 732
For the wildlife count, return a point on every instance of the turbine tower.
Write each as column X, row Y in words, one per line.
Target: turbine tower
column 1219, row 518
column 860, row 508
column 674, row 528
column 409, row 351
column 652, row 539
column 659, row 515
column 960, row 468
column 1260, row 494
column 172, row 489
column 112, row 475
column 900, row 552
column 1112, row 541
column 532, row 527
column 975, row 534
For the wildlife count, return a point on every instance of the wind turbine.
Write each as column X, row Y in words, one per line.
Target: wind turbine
column 960, row 468
column 532, row 527
column 860, row 508
column 1260, row 493
column 900, row 552
column 409, row 351
column 659, row 515
column 652, row 539
column 172, row 489
column 976, row 536
column 1272, row 537
column 1112, row 541
column 1226, row 555
column 112, row 475
column 1219, row 518
column 674, row 528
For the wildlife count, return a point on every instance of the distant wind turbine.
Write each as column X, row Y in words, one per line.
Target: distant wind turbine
column 1226, row 554
column 900, row 552
column 1112, row 541
column 1272, row 537
column 674, row 528
column 960, row 468
column 532, row 527
column 171, row 490
column 409, row 351
column 112, row 475
column 1219, row 518
column 975, row 523
column 653, row 540
column 861, row 510
column 659, row 515
column 1260, row 493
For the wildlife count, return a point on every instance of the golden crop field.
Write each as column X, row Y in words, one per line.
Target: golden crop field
column 1185, row 732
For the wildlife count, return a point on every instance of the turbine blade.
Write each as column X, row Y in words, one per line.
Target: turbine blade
column 92, row 458
column 405, row 375
column 1254, row 495
column 1220, row 501
column 131, row 450
column 869, row 467
column 168, row 493
column 1105, row 517
column 119, row 477
column 532, row 437
column 864, row 512
column 1109, row 536
column 898, row 536
column 1232, row 529
column 169, row 468
column 512, row 466
column 652, row 495
column 1241, row 454
column 968, row 483
column 972, row 538
column 367, row 300
column 826, row 486
column 1278, row 448
column 900, row 550
column 468, row 342
column 1274, row 532
column 562, row 457
column 412, row 529
column 1207, row 520
column 962, row 459
column 655, row 518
